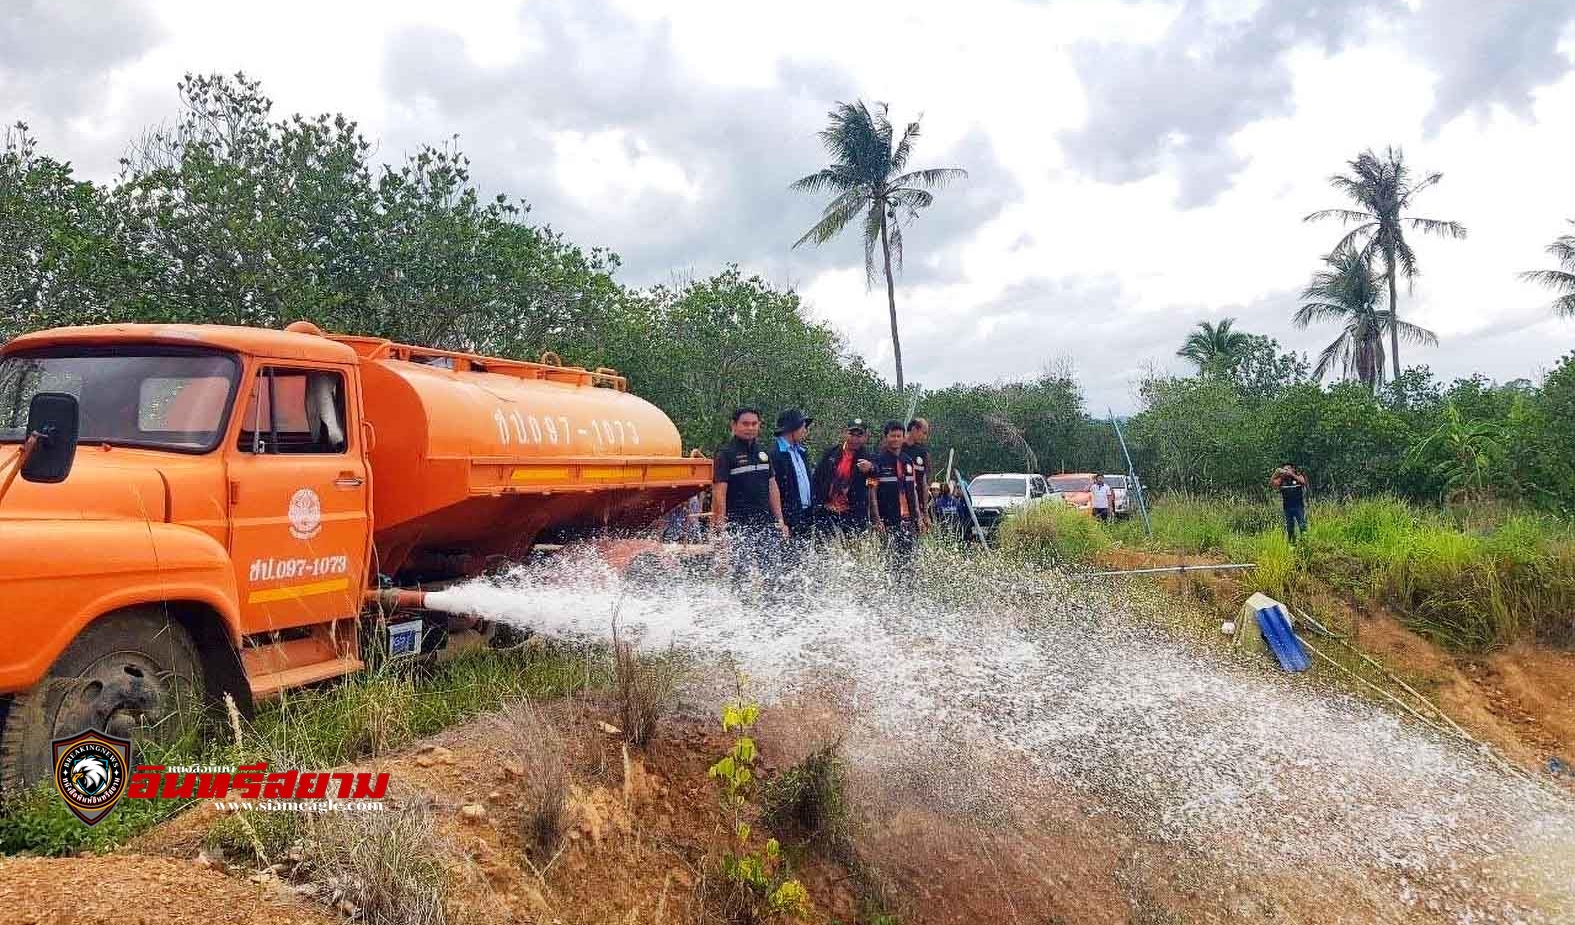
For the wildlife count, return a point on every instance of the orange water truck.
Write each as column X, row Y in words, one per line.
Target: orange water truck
column 191, row 510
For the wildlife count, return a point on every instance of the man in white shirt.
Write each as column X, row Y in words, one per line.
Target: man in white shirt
column 1102, row 498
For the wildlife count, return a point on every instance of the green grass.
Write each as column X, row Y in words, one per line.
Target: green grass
column 1471, row 579
column 319, row 728
column 1052, row 534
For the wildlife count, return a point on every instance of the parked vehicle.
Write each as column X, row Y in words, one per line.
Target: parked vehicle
column 208, row 509
column 1122, row 494
column 996, row 493
column 1075, row 488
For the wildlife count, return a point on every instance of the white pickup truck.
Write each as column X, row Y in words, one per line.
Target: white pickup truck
column 996, row 493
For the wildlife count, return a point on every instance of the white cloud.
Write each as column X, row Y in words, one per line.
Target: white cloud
column 692, row 117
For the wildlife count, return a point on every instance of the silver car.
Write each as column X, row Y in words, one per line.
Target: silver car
column 998, row 492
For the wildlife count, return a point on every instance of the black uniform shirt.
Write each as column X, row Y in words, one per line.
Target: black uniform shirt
column 895, row 498
column 746, row 469
column 1292, row 493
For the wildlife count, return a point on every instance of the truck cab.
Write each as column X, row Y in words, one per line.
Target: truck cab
column 214, row 527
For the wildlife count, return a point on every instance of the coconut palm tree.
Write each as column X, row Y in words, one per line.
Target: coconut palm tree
column 869, row 176
column 1348, row 292
column 1213, row 347
column 1383, row 189
column 1561, row 280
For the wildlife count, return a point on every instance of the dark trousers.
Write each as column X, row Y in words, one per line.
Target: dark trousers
column 901, row 538
column 801, row 534
column 1102, row 513
column 831, row 526
column 754, row 547
column 1295, row 517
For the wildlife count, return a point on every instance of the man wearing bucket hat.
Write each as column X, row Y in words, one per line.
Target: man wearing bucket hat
column 791, row 468
column 841, row 502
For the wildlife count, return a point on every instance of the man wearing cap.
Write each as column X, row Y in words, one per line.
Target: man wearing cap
column 789, row 465
column 841, row 501
column 746, row 505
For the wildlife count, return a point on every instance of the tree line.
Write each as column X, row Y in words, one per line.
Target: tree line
column 232, row 215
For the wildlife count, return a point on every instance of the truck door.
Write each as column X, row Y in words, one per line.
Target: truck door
column 298, row 499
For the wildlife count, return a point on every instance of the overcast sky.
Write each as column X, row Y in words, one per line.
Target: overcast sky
column 1135, row 168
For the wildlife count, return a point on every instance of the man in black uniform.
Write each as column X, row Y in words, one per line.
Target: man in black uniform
column 1292, row 486
column 917, row 446
column 894, row 499
column 841, row 499
column 746, row 508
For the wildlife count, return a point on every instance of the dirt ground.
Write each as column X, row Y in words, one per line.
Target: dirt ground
column 1520, row 700
column 939, row 840
column 941, row 849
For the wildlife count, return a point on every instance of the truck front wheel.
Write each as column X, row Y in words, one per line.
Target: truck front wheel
column 133, row 674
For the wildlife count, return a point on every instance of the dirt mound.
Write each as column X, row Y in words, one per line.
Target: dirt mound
column 129, row 889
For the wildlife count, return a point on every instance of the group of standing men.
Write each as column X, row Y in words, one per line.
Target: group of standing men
column 770, row 505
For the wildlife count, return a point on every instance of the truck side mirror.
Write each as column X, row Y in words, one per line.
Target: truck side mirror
column 53, row 417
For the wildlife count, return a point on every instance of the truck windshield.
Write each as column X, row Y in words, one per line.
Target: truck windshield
column 1071, row 482
column 998, row 486
column 162, row 398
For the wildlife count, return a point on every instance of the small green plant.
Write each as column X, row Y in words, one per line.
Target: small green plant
column 760, row 889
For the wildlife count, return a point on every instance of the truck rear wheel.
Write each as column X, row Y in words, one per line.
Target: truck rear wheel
column 133, row 674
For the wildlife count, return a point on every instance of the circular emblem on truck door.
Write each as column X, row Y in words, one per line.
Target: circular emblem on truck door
column 306, row 514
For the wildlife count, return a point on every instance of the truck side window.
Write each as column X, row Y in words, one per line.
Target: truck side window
column 293, row 411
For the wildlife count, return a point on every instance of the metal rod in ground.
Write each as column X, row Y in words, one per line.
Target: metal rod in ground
column 978, row 531
column 1136, row 487
column 1173, row 568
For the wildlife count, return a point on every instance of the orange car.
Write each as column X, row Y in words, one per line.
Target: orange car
column 199, row 508
column 1075, row 488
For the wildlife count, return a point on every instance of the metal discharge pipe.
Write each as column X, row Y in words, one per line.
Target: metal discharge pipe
column 389, row 600
column 1173, row 568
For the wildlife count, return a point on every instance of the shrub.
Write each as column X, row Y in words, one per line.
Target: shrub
column 809, row 799
column 1052, row 534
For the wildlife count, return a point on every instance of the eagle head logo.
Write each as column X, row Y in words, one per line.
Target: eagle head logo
column 90, row 774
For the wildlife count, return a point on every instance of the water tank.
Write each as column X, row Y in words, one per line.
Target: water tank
column 475, row 456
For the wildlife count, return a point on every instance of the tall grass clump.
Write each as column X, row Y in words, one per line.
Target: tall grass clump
column 388, row 864
column 645, row 687
column 519, row 734
column 1469, row 580
column 1052, row 534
